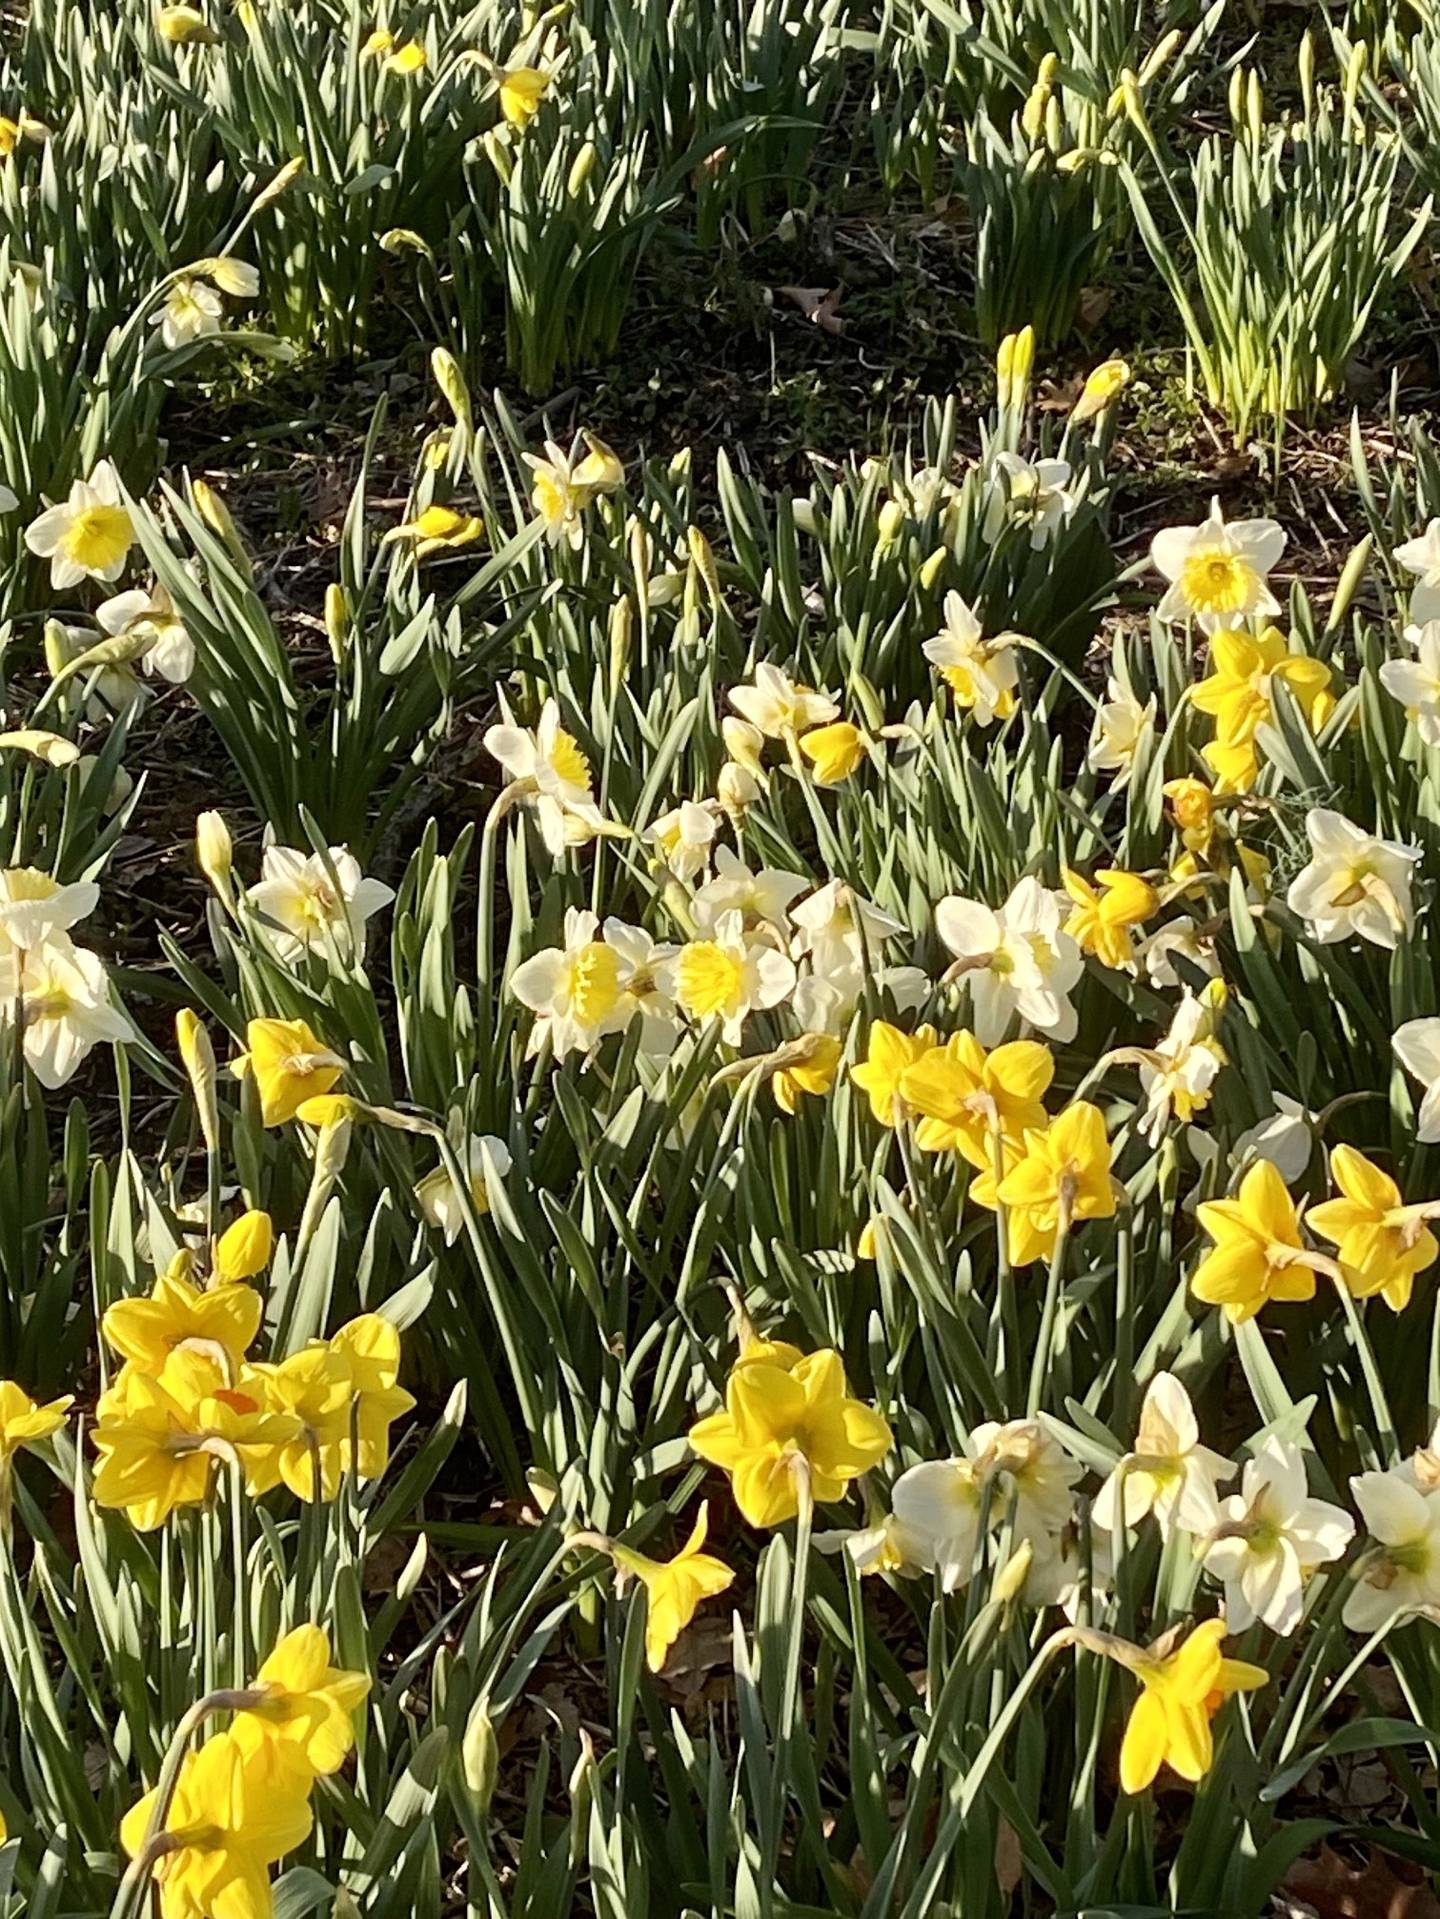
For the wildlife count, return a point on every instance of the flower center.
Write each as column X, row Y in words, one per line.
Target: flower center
column 569, row 762
column 97, row 537
column 1217, row 582
column 594, row 982
column 709, row 979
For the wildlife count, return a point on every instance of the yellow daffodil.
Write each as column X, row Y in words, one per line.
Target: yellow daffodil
column 1105, row 385
column 438, row 529
column 244, row 1248
column 370, row 1346
column 1180, row 1693
column 834, row 751
column 1192, row 807
column 233, row 1814
column 315, row 1389
column 1258, row 1254
column 308, row 1705
column 290, row 1065
column 888, row 1053
column 811, row 1064
column 23, row 1420
column 970, row 1100
column 1238, row 696
column 674, row 1588
column 177, row 1313
column 1063, row 1173
column 784, row 1418
column 1105, row 913
column 185, row 27
column 1382, row 1243
column 406, row 60
column 521, row 91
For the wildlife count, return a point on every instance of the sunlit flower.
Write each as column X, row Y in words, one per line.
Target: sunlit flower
column 1422, row 558
column 977, row 1104
column 728, row 976
column 1105, row 385
column 1403, row 1520
column 1382, row 1243
column 1239, row 696
column 289, row 1064
column 312, row 902
column 521, row 90
column 23, row 1420
column 564, row 486
column 939, row 1506
column 674, row 1588
column 550, row 771
column 244, row 1248
column 89, row 535
column 411, row 58
column 486, row 1161
column 313, row 1392
column 576, row 991
column 1286, row 1139
column 1033, row 493
column 811, row 1063
column 889, row 1052
column 834, row 751
column 185, row 26
column 1416, row 683
column 1417, row 1047
column 1061, row 1176
column 1120, row 728
column 192, row 310
column 308, row 1705
column 61, row 995
column 1270, row 1538
column 684, row 837
column 647, row 980
column 1218, row 573
column 1026, row 1464
column 1017, row 961
column 178, row 1313
column 1180, row 1693
column 149, row 617
column 1169, row 1473
column 1182, row 939
column 780, row 708
column 1178, row 1073
column 34, row 907
column 1258, row 1255
column 982, row 674
column 786, row 1416
column 370, row 1347
column 1356, row 885
column 438, row 529
column 761, row 898
column 1106, row 912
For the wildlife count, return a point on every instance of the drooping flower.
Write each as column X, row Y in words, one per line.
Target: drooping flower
column 1417, row 1047
column 23, row 1420
column 437, row 529
column 1062, row 1175
column 761, row 898
column 192, row 311
column 1106, row 913
column 61, row 994
column 834, row 751
column 1356, row 885
column 1218, row 573
column 1258, row 1255
column 308, row 1705
column 1169, row 1473
column 982, row 674
column 521, row 89
column 787, row 1414
column 674, row 1588
column 978, row 1104
column 781, row 708
column 1180, row 1692
column 89, row 535
column 1416, row 683
column 1271, row 1536
column 1017, row 961
column 147, row 616
column 485, row 1159
column 1403, row 1521
column 312, row 902
column 1121, row 727
column 1381, row 1242
column 289, row 1064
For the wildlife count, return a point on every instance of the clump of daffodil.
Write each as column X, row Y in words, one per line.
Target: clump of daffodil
column 1382, row 1244
column 289, row 1065
column 674, row 1588
column 1107, row 912
column 1060, row 1176
column 1258, row 1254
column 789, row 1429
column 1238, row 694
column 975, row 1103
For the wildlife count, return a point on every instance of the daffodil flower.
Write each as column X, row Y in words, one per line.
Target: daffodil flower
column 1421, row 557
column 438, row 529
column 484, row 1160
column 1180, row 1692
column 1060, row 1177
column 834, row 751
column 1120, row 728
column 89, row 535
column 1270, row 1537
column 674, row 1588
column 1239, row 696
column 1416, row 1045
column 290, row 1065
column 1356, row 885
column 576, row 991
column 23, row 1420
column 728, row 976
column 780, row 708
column 309, row 902
column 978, row 1104
column 34, row 907
column 1258, row 1254
column 982, row 674
column 1382, row 1243
column 1218, row 573
column 1105, row 913
column 549, row 771
column 1402, row 1519
column 1016, row 960
column 889, row 1053
column 1416, row 683
column 306, row 1705
column 177, row 1313
column 1169, row 1473
column 61, row 994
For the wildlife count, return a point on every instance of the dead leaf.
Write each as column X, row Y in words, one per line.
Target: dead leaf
column 1091, row 308
column 1384, row 1888
column 1058, row 396
column 818, row 304
column 1009, row 1861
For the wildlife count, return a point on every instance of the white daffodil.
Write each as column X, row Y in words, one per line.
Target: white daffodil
column 191, row 311
column 939, row 1504
column 576, row 991
column 1218, row 573
column 549, row 771
column 1017, row 959
column 485, row 1160
column 1057, row 1570
column 1422, row 558
column 1030, row 492
column 565, row 484
column 780, row 708
column 1404, row 1523
column 1177, row 1074
column 310, row 901
column 762, row 898
column 1286, row 1139
column 727, row 976
column 835, row 914
column 982, row 674
column 61, row 994
column 1023, row 1460
column 885, row 1547
column 35, row 908
column 88, row 536
column 150, row 617
column 1355, row 885
column 684, row 837
column 1169, row 1473
column 643, row 965
column 1120, row 728
column 1416, row 683
column 1180, row 937
column 1417, row 1047
column 1272, row 1535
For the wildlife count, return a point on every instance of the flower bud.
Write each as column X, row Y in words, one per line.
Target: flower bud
column 480, row 1756
column 622, row 626
column 290, row 172
column 743, row 742
column 451, row 382
column 931, row 567
column 1105, row 384
column 53, row 749
column 197, row 1056
column 703, row 557
column 214, row 851
column 244, row 1249
column 736, row 788
column 890, row 522
column 581, row 168
column 802, row 512
column 337, row 621
column 1009, row 1582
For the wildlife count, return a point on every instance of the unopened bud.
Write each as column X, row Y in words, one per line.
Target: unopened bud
column 736, row 788
column 1009, row 1582
column 214, row 851
column 451, row 382
column 290, row 172
column 622, row 627
column 890, row 522
column 337, row 621
column 581, row 168
column 197, row 1056
column 480, row 1756
column 244, row 1249
column 704, row 559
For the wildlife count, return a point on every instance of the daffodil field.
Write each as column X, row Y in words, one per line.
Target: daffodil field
column 719, row 999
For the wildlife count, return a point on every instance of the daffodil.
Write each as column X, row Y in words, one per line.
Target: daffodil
column 889, row 1052
column 521, row 90
column 307, row 1705
column 1101, row 389
column 834, row 751
column 780, row 708
column 1271, row 1536
column 576, row 991
column 407, row 59
column 1416, row 683
column 177, row 1313
column 1416, row 1045
column 244, row 1248
column 437, row 529
column 1106, row 912
column 24, row 1420
column 1177, row 1074
column 982, row 674
column 939, row 1507
column 811, row 1063
column 1356, row 885
column 1218, row 573
column 728, row 976
column 549, row 771
column 1421, row 557
column 61, row 995
column 1030, row 493
column 1060, row 1177
column 1382, row 1243
column 89, row 535
column 761, row 898
column 1402, row 1519
column 192, row 311
column 1180, row 1693
column 1239, row 696
column 184, row 26
column 312, row 903
column 684, row 837
column 674, row 1588
column 34, row 907
column 1258, row 1254
column 1286, row 1138
column 1120, row 728
column 786, row 1417
column 1015, row 960
column 1168, row 1472
column 485, row 1161
column 232, row 1815
column 977, row 1103
column 289, row 1064
column 1192, row 807
column 564, row 484
column 314, row 1391
column 146, row 617
column 370, row 1347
